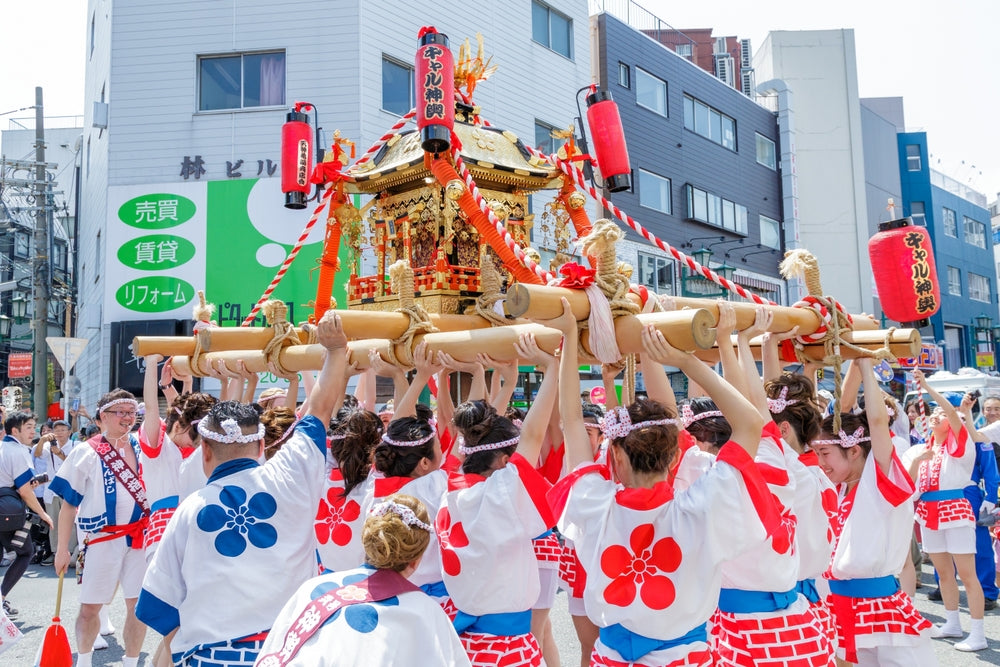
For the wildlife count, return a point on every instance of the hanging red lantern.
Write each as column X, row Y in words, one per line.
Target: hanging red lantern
column 435, row 90
column 902, row 262
column 296, row 157
column 608, row 136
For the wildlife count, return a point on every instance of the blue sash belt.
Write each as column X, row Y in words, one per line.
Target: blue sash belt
column 510, row 624
column 164, row 503
column 435, row 590
column 808, row 588
column 632, row 646
column 949, row 494
column 736, row 601
column 875, row 587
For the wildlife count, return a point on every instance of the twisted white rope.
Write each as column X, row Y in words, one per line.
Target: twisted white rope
column 233, row 432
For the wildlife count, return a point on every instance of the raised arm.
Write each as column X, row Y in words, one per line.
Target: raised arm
column 608, row 374
column 504, row 381
column 770, row 355
column 954, row 420
column 150, row 394
column 329, row 388
column 731, row 369
column 752, row 385
column 427, row 365
column 657, row 383
column 167, row 383
column 577, row 443
column 849, row 388
column 385, row 369
column 878, row 416
column 537, row 420
column 742, row 416
column 445, row 406
column 477, row 391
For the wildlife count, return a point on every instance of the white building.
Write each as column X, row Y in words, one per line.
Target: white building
column 819, row 67
column 184, row 106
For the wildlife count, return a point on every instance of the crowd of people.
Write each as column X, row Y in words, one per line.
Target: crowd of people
column 750, row 524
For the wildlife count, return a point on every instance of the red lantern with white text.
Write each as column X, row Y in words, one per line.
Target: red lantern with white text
column 296, row 157
column 435, row 90
column 608, row 136
column 902, row 262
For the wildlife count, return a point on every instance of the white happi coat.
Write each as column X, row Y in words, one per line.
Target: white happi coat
column 814, row 505
column 652, row 563
column 238, row 548
column 429, row 489
column 485, row 531
column 408, row 630
column 84, row 481
column 339, row 521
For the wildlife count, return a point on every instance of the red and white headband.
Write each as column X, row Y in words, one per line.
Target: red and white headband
column 618, row 424
column 407, row 515
column 487, row 447
column 780, row 404
column 407, row 443
column 844, row 440
column 689, row 416
column 120, row 401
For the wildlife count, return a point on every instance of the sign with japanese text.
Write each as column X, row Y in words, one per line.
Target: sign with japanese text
column 984, row 359
column 19, row 365
column 167, row 241
column 930, row 358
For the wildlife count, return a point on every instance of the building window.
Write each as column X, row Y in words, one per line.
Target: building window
column 954, row 281
column 650, row 91
column 242, row 81
column 683, row 50
column 397, row 87
column 59, row 261
column 710, row 208
column 552, row 29
column 709, row 123
column 975, row 232
column 950, row 222
column 654, row 191
column 913, row 157
column 770, row 232
column 624, row 76
column 22, row 244
column 917, row 213
column 979, row 288
column 656, row 273
column 766, row 152
column 544, row 141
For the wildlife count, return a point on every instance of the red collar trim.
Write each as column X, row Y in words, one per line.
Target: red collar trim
column 646, row 499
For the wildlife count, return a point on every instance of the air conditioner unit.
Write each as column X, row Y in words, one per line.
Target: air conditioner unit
column 724, row 70
column 746, row 54
column 748, row 84
column 720, row 46
column 100, row 120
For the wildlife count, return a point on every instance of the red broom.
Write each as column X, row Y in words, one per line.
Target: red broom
column 56, row 651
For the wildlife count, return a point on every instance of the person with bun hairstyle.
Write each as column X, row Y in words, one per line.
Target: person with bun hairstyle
column 408, row 459
column 369, row 616
column 491, row 513
column 338, row 518
column 877, row 624
column 653, row 557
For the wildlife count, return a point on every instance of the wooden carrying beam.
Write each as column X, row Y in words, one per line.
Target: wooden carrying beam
column 541, row 302
column 903, row 343
column 685, row 329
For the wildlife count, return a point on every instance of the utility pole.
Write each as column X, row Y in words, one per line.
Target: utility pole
column 40, row 272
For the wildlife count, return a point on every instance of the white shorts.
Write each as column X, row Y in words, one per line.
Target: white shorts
column 108, row 564
column 549, row 581
column 576, row 606
column 956, row 540
column 921, row 655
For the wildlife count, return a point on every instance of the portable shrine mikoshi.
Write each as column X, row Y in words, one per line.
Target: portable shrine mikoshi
column 448, row 225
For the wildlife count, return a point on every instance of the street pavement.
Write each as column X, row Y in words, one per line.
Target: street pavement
column 35, row 597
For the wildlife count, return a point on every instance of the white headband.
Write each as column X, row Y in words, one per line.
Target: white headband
column 121, row 401
column 846, row 441
column 487, row 447
column 688, row 416
column 407, row 443
column 402, row 511
column 233, row 433
column 618, row 424
column 338, row 436
column 779, row 404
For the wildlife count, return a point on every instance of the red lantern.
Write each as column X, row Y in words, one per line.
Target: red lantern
column 435, row 90
column 902, row 262
column 609, row 140
column 296, row 157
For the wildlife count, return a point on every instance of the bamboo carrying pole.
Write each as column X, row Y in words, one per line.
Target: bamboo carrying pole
column 542, row 302
column 356, row 323
column 685, row 329
column 903, row 343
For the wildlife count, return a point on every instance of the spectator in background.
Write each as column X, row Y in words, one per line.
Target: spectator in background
column 54, row 452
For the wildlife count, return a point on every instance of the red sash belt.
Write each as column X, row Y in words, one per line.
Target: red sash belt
column 135, row 531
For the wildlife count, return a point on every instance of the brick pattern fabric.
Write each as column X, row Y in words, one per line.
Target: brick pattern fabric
column 494, row 651
column 786, row 640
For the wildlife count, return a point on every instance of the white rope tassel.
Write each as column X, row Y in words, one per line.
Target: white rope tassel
column 603, row 343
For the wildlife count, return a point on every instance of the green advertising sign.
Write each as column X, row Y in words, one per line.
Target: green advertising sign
column 156, row 211
column 155, row 294
column 156, row 252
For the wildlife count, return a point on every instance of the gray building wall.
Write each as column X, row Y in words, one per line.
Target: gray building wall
column 663, row 146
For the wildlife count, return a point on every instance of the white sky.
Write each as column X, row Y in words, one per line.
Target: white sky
column 939, row 55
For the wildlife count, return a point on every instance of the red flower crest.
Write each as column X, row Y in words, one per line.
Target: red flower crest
column 576, row 276
column 450, row 537
column 638, row 570
column 334, row 516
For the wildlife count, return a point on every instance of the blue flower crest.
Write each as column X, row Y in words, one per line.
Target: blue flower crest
column 240, row 521
column 361, row 617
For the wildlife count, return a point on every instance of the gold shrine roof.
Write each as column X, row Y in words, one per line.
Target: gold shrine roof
column 496, row 158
